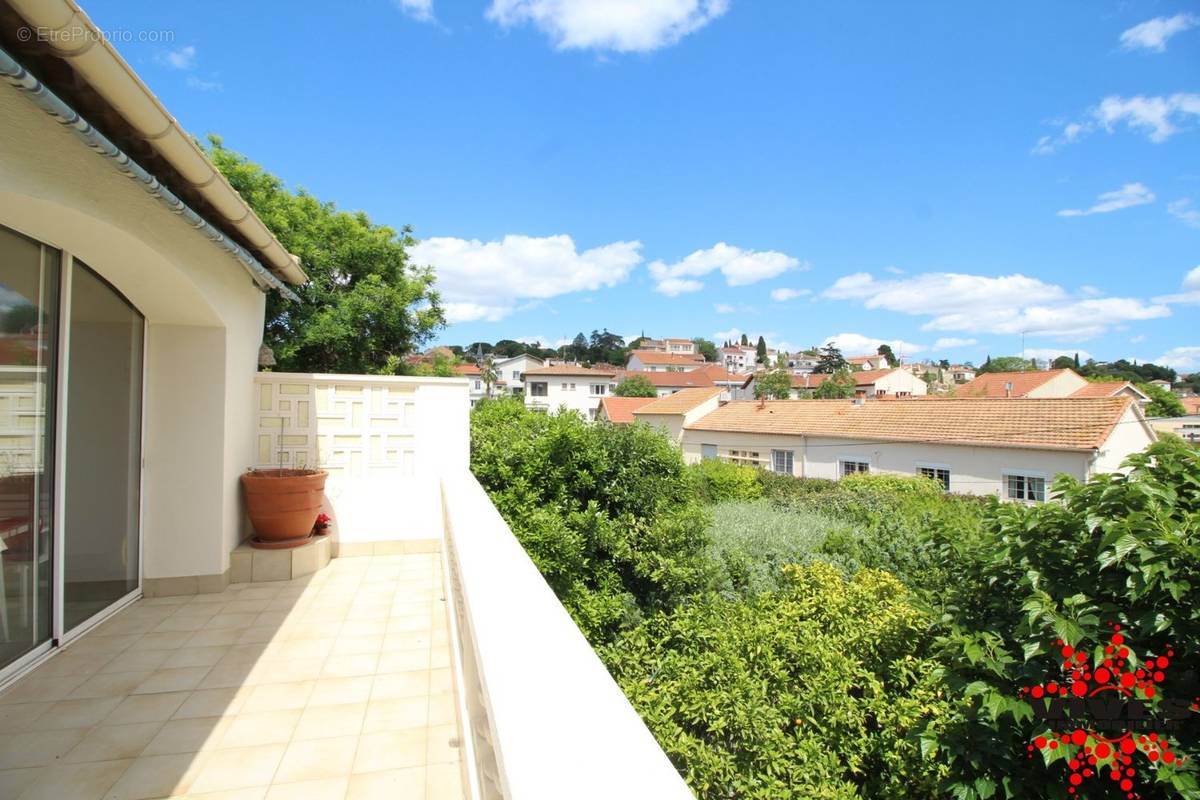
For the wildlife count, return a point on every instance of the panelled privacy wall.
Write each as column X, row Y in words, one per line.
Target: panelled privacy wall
column 385, row 441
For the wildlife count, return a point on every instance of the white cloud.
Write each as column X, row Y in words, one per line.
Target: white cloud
column 1160, row 117
column 855, row 344
column 1190, row 293
column 731, row 308
column 420, row 10
column 1051, row 353
column 1128, row 196
column 733, row 335
column 488, row 280
column 1154, row 33
column 183, row 58
column 1184, row 211
column 740, row 268
column 1184, row 359
column 785, row 294
column 894, row 270
column 202, row 85
column 622, row 25
column 951, row 342
column 1007, row 304
column 1141, row 337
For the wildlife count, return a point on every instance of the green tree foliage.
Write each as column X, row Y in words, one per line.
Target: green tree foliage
column 745, row 341
column 1127, row 371
column 606, row 512
column 1064, row 362
column 838, row 386
column 760, row 351
column 775, row 384
column 636, row 386
column 885, row 350
column 810, row 692
column 1163, row 402
column 1006, row 364
column 605, row 347
column 365, row 301
column 831, row 360
column 707, row 349
column 720, row 481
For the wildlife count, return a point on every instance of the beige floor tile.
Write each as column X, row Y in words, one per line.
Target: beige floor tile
column 135, row 660
column 76, row 781
column 101, row 643
column 82, row 713
column 177, row 679
column 228, row 677
column 395, row 784
column 443, row 709
column 223, row 622
column 390, row 750
column 317, row 759
column 146, row 708
column 278, row 697
column 249, row 793
column 72, row 663
column 15, row 781
column 303, row 649
column 223, row 638
column 349, row 666
column 176, row 624
column 18, row 717
column 339, row 691
column 191, row 735
column 156, row 776
column 396, row 715
column 267, row 727
column 441, row 681
column 401, row 684
column 350, row 645
column 403, row 660
column 322, row 722
column 37, row 688
column 408, row 640
column 170, row 640
column 195, row 657
column 288, row 670
column 111, row 742
column 112, row 684
column 328, row 789
column 37, row 748
column 366, row 627
column 443, row 745
column 258, row 634
column 444, row 782
column 238, row 768
column 207, row 702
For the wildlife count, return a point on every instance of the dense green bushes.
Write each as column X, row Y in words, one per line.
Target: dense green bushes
column 861, row 638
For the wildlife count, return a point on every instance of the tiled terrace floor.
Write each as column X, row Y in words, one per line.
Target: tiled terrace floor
column 333, row 687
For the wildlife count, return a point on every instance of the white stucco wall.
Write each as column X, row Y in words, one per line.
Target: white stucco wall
column 580, row 398
column 900, row 380
column 1062, row 385
column 204, row 322
column 1131, row 434
column 973, row 470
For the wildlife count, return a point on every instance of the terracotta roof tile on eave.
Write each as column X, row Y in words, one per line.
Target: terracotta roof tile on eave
column 681, row 402
column 667, row 380
column 991, row 384
column 563, row 369
column 1080, row 424
column 669, row 359
column 620, row 410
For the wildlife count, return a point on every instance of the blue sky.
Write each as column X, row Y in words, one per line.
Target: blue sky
column 941, row 177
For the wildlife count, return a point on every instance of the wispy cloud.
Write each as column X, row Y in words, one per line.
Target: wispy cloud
column 1128, row 196
column 740, row 268
column 951, row 342
column 1184, row 211
column 204, row 86
column 1153, row 33
column 855, row 344
column 623, row 26
column 420, row 10
column 1185, row 359
column 1051, row 353
column 182, row 58
column 782, row 295
column 1160, row 117
column 1191, row 290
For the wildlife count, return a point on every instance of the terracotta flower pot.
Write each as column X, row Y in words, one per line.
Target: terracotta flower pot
column 283, row 505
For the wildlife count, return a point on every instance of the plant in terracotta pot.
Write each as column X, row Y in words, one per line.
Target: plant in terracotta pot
column 283, row 504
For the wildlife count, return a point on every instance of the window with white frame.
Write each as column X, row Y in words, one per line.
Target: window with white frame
column 936, row 473
column 1029, row 488
column 848, row 466
column 599, row 388
column 478, row 385
column 781, row 461
column 516, row 374
column 749, row 458
column 538, row 389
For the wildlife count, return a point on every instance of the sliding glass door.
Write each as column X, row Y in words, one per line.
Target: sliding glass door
column 29, row 281
column 103, row 448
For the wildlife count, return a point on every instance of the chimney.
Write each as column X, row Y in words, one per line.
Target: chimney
column 1008, row 388
column 859, row 400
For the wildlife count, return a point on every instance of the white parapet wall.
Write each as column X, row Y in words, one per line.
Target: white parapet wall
column 386, row 441
column 542, row 718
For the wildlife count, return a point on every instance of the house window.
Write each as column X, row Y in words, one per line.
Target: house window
column 1029, row 488
column 850, row 467
column 572, row 387
column 781, row 461
column 598, row 388
column 708, row 452
column 516, row 374
column 939, row 474
column 478, row 385
column 537, row 389
column 748, row 458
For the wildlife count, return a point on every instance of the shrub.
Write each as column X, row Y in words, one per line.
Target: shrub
column 753, row 541
column 607, row 513
column 636, row 386
column 813, row 691
column 720, row 481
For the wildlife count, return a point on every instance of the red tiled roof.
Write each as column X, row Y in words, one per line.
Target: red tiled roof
column 1061, row 423
column 568, row 369
column 619, row 410
column 991, row 384
column 681, row 402
column 666, row 359
column 1103, row 389
column 1192, row 404
column 671, row 380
